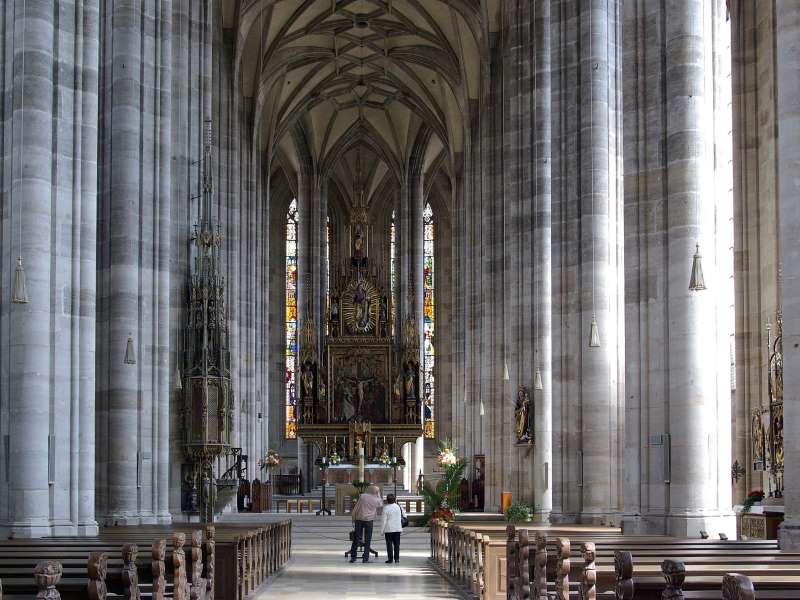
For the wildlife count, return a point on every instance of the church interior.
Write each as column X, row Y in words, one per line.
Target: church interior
column 495, row 257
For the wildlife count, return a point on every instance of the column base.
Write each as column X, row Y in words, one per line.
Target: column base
column 789, row 536
column 25, row 530
column 610, row 519
column 88, row 529
column 541, row 518
column 690, row 526
column 164, row 518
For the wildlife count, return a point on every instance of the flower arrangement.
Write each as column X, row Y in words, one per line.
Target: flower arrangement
column 447, row 454
column 753, row 497
column 334, row 458
column 272, row 460
column 441, row 500
column 384, row 459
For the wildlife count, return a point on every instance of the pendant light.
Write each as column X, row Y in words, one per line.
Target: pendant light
column 19, row 295
column 537, row 379
column 130, row 354
column 697, row 282
column 19, row 292
column 177, row 381
column 594, row 332
column 537, row 374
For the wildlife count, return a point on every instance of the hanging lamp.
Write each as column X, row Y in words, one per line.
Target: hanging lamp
column 177, row 382
column 19, row 295
column 594, row 334
column 537, row 379
column 19, row 292
column 130, row 354
column 697, row 282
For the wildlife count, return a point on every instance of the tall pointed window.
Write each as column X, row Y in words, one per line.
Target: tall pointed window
column 393, row 271
column 291, row 320
column 428, row 322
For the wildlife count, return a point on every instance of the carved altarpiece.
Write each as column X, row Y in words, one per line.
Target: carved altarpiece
column 365, row 386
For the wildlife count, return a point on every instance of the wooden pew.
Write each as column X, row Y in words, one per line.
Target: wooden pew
column 243, row 558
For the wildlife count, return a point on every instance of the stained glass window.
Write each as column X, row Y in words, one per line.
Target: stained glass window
column 428, row 321
column 291, row 320
column 393, row 269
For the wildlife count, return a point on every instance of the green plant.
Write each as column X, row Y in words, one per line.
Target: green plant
column 445, row 494
column 753, row 497
column 519, row 513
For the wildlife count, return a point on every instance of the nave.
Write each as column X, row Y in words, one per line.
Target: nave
column 318, row 569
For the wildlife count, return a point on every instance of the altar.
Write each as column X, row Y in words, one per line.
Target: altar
column 346, row 474
column 360, row 397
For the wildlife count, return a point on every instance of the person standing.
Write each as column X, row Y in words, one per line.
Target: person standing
column 364, row 513
column 392, row 528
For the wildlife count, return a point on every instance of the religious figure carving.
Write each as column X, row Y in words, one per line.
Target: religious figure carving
column 158, row 568
column 209, row 550
column 758, row 441
column 674, row 573
column 97, row 569
column 180, row 583
column 522, row 416
column 197, row 589
column 334, row 316
column 130, row 576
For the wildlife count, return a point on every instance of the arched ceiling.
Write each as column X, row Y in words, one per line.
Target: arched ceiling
column 330, row 76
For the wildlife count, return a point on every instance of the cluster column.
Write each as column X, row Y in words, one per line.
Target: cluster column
column 787, row 19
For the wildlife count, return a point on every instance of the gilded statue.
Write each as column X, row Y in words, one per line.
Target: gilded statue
column 758, row 441
column 522, row 416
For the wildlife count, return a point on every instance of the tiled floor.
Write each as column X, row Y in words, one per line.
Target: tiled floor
column 319, row 569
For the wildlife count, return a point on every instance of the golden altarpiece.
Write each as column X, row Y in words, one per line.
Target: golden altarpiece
column 364, row 390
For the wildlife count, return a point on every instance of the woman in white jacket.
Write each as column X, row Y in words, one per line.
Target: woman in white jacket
column 392, row 528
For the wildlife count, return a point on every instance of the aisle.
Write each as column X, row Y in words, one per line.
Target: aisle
column 318, row 568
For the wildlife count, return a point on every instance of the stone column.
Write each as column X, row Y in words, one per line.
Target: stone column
column 30, row 232
column 691, row 332
column 87, row 525
column 598, row 214
column 542, row 353
column 124, row 64
column 787, row 19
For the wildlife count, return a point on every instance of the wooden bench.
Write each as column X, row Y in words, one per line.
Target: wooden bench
column 242, row 558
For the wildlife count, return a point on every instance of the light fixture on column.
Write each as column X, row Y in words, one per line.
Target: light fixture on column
column 594, row 334
column 506, row 376
column 19, row 292
column 697, row 282
column 130, row 354
column 177, row 381
column 482, row 412
column 537, row 379
column 19, row 295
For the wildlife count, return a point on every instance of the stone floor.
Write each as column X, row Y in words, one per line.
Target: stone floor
column 318, row 568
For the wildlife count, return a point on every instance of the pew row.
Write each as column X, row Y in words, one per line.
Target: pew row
column 228, row 563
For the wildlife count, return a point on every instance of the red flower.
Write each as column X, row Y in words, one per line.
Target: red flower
column 757, row 495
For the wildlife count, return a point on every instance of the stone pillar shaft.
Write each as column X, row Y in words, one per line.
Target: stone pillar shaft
column 787, row 19
column 542, row 300
column 598, row 228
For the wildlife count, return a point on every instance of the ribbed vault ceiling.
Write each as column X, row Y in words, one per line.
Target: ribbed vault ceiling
column 394, row 77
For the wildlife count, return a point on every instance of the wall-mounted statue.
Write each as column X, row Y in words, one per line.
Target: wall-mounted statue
column 522, row 416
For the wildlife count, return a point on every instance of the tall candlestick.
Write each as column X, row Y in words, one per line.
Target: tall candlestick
column 361, row 462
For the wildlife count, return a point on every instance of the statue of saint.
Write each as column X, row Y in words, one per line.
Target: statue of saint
column 308, row 381
column 361, row 302
column 408, row 384
column 521, row 416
